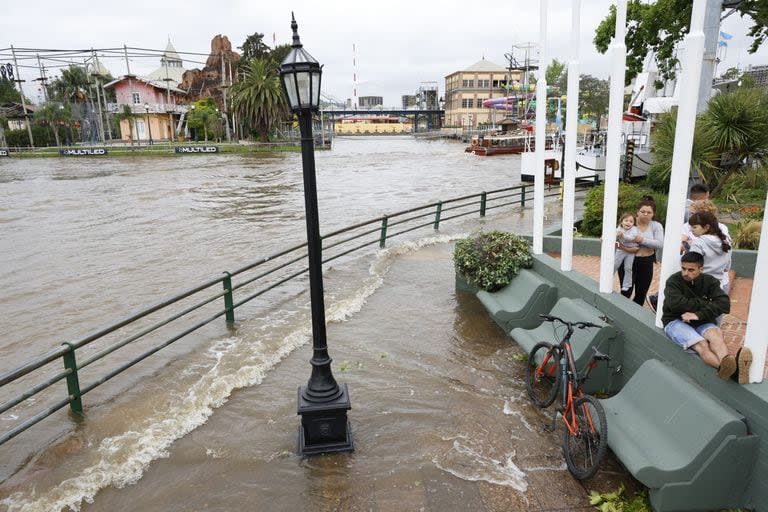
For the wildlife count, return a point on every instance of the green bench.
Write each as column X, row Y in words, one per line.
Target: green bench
column 690, row 449
column 606, row 339
column 519, row 303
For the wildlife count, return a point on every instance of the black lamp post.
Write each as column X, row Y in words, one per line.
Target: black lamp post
column 323, row 404
column 149, row 127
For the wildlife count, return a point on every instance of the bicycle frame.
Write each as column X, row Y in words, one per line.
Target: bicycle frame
column 569, row 376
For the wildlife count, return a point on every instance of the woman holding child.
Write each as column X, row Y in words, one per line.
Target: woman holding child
column 650, row 238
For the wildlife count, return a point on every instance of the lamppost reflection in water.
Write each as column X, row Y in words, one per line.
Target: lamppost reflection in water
column 323, row 404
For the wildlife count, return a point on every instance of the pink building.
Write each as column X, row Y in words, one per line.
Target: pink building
column 157, row 101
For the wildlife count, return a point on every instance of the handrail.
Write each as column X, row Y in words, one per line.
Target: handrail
column 429, row 215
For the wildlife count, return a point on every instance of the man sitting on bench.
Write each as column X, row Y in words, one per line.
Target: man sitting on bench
column 692, row 302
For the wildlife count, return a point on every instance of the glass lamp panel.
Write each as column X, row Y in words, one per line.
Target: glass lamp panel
column 303, row 88
column 315, row 89
column 290, row 88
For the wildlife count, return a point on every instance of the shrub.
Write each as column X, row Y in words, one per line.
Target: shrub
column 629, row 196
column 747, row 187
column 20, row 138
column 748, row 235
column 490, row 260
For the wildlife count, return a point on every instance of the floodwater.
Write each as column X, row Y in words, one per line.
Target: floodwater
column 439, row 415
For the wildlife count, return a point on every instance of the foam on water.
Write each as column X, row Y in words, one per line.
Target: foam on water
column 231, row 363
column 468, row 463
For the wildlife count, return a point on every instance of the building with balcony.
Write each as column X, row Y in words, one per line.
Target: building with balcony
column 465, row 91
column 159, row 105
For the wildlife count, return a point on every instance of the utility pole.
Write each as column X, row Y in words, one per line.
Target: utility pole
column 129, row 76
column 43, row 80
column 224, row 87
column 168, row 108
column 18, row 80
column 96, row 74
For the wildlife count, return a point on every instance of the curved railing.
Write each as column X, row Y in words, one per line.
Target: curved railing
column 270, row 272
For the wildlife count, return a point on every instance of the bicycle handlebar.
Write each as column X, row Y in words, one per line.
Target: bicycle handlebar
column 579, row 324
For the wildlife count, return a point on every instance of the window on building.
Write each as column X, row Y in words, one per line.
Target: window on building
column 483, row 84
column 136, row 98
column 467, row 103
column 467, row 83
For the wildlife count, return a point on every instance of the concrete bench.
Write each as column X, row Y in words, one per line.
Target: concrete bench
column 690, row 449
column 519, row 303
column 606, row 339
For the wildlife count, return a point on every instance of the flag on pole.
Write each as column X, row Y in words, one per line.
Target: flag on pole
column 725, row 36
column 721, row 44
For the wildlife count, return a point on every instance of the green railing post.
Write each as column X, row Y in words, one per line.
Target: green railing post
column 383, row 236
column 522, row 196
column 229, row 304
column 73, row 384
column 483, row 199
column 438, row 211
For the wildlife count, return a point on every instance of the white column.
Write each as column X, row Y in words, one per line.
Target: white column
column 572, row 123
column 757, row 321
column 541, row 124
column 613, row 148
column 681, row 159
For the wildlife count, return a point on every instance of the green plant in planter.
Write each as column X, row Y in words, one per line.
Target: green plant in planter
column 490, row 260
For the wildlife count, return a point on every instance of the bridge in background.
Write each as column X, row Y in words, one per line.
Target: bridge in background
column 434, row 117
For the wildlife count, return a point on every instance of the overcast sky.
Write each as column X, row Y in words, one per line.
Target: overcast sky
column 399, row 43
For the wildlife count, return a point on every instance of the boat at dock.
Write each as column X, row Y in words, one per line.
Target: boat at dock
column 499, row 144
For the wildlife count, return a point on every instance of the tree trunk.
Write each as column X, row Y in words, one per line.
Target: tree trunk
column 56, row 135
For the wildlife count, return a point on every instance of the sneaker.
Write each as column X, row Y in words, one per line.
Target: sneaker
column 727, row 367
column 652, row 301
column 743, row 362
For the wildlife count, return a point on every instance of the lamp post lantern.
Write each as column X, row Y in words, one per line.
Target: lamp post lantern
column 323, row 403
column 149, row 127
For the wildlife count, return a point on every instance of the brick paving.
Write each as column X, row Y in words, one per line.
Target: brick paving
column 734, row 324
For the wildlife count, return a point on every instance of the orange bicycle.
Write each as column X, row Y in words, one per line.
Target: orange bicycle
column 552, row 368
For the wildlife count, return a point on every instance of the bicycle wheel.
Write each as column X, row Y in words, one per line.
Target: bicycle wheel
column 584, row 451
column 542, row 374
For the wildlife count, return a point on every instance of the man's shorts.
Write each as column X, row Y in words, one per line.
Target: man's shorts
column 685, row 335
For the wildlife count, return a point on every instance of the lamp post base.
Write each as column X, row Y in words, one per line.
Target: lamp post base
column 324, row 426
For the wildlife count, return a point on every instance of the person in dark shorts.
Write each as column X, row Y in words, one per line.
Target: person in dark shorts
column 692, row 302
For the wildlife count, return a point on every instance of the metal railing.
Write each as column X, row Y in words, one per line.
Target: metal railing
column 270, row 272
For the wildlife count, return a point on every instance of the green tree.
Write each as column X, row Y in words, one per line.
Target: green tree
column 204, row 116
column 730, row 138
column 703, row 155
column 279, row 53
column 593, row 97
column 658, row 27
column 258, row 97
column 253, row 48
column 738, row 123
column 55, row 116
column 127, row 114
column 8, row 92
column 71, row 86
column 557, row 74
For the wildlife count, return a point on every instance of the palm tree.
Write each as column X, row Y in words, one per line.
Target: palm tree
column 738, row 122
column 127, row 115
column 703, row 155
column 258, row 97
column 72, row 86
